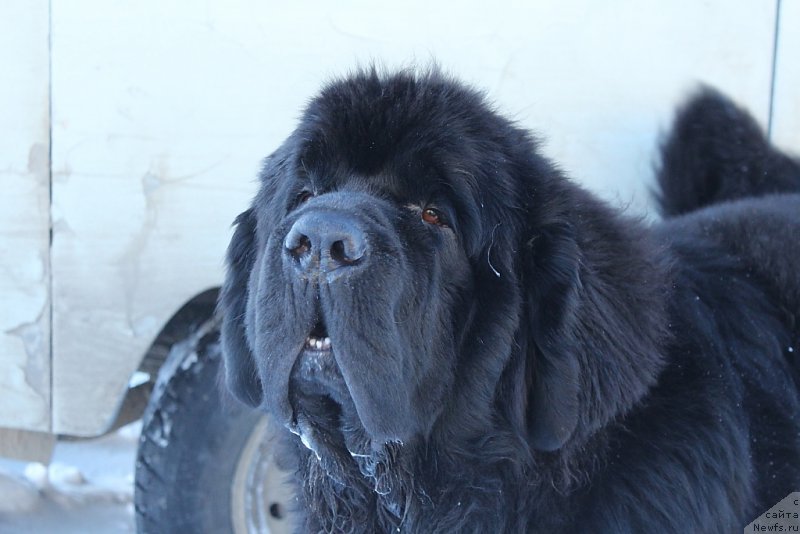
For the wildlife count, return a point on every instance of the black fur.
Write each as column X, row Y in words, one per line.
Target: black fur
column 717, row 152
column 541, row 363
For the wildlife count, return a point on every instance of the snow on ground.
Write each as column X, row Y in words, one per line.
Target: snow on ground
column 87, row 488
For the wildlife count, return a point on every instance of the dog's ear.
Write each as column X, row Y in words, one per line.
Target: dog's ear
column 596, row 289
column 552, row 279
column 241, row 374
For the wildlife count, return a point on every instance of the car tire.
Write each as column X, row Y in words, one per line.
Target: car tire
column 204, row 461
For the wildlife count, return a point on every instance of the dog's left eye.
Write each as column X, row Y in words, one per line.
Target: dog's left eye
column 433, row 216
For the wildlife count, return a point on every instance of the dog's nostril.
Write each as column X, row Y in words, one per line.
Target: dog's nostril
column 337, row 252
column 300, row 246
column 343, row 254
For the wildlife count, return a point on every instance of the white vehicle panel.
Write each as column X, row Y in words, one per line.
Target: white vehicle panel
column 786, row 104
column 162, row 112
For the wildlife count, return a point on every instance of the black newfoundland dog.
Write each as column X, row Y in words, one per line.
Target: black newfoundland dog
column 454, row 337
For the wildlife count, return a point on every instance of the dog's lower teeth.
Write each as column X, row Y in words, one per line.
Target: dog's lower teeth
column 318, row 344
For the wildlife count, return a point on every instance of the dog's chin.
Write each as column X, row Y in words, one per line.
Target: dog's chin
column 324, row 416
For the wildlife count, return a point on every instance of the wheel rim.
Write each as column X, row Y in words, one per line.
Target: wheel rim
column 259, row 495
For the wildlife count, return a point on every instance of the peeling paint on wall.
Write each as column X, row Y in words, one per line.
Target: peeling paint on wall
column 130, row 261
column 37, row 369
column 25, row 217
column 39, row 161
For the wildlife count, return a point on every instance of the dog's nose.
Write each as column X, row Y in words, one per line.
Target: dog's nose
column 327, row 239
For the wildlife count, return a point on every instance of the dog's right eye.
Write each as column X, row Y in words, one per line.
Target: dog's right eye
column 303, row 197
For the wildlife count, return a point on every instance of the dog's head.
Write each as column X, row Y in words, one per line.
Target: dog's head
column 406, row 248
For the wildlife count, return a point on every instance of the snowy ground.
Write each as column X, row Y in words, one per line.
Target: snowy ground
column 87, row 488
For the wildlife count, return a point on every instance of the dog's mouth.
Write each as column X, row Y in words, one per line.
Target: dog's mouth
column 318, row 340
column 315, row 371
column 317, row 389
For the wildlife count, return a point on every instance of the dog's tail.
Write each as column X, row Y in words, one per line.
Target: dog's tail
column 716, row 152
